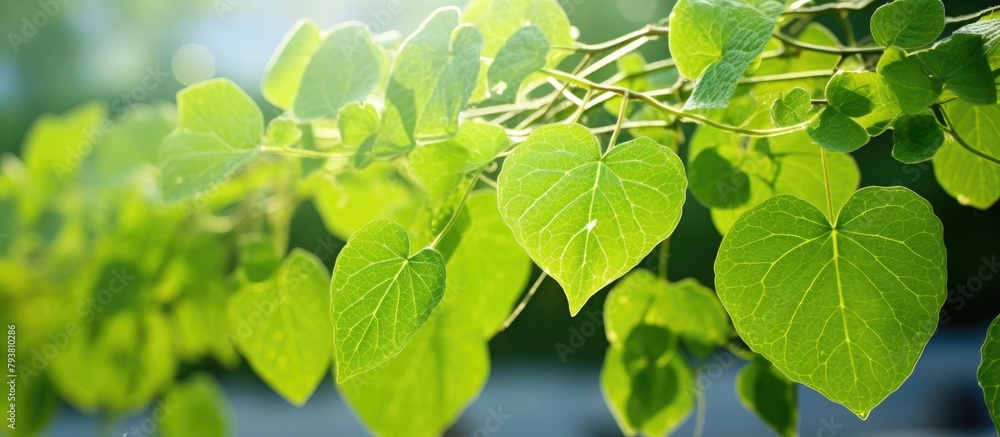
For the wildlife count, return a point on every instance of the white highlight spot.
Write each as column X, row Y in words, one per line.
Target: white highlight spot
column 193, row 63
column 591, row 225
column 639, row 11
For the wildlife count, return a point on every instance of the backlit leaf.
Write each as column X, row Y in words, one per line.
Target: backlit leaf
column 844, row 306
column 971, row 179
column 523, row 54
column 769, row 394
column 282, row 326
column 916, row 138
column 908, row 24
column 716, row 41
column 283, row 75
column 381, row 296
column 219, row 131
column 345, row 68
column 588, row 217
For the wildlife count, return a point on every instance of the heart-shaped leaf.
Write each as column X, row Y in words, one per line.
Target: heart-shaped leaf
column 381, row 295
column 588, row 217
column 282, row 326
column 844, row 306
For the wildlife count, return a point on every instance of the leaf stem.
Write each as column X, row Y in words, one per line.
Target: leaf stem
column 455, row 214
column 524, row 301
column 304, row 153
column 651, row 31
column 584, row 83
column 972, row 16
column 830, row 7
column 826, row 180
column 950, row 128
column 487, row 181
column 664, row 258
column 827, row 49
column 621, row 119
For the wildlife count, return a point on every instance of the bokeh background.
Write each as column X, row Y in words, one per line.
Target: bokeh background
column 100, row 49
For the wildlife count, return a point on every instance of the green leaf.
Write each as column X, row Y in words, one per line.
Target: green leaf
column 765, row 391
column 353, row 198
column 989, row 371
column 381, row 296
column 789, row 164
column 961, row 63
column 917, row 138
column 972, row 180
column 345, row 68
column 989, row 30
column 716, row 41
column 219, row 131
column 424, row 389
column 440, row 168
column 282, row 132
column 853, row 93
column 357, row 122
column 523, row 54
column 282, row 326
column 792, row 108
column 837, row 132
column 646, row 382
column 130, row 147
column 499, row 20
column 488, row 270
column 195, row 407
column 685, row 308
column 908, row 24
column 904, row 75
column 844, row 308
column 433, row 76
column 283, row 75
column 54, row 145
column 588, row 217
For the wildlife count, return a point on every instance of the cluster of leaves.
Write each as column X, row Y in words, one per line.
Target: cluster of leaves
column 453, row 159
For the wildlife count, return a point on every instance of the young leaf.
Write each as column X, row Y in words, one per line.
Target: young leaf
column 283, row 75
column 381, row 296
column 356, row 197
column 837, row 132
column 908, row 24
column 588, row 217
column 853, row 93
column 820, row 297
column 523, row 54
column 219, row 131
column 904, row 75
column 685, row 308
column 433, row 77
column 961, row 63
column 357, row 122
column 989, row 371
column 971, row 179
column 345, row 68
column 499, row 20
column 282, row 132
column 717, row 41
column 792, row 108
column 282, row 326
column 439, row 168
column 195, row 407
column 765, row 391
column 646, row 382
column 789, row 164
column 917, row 138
